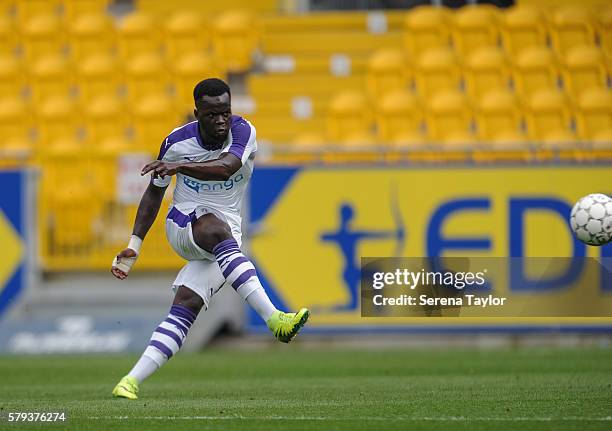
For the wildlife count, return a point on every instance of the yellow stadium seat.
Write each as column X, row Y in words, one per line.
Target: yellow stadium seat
column 268, row 129
column 188, row 71
column 11, row 77
column 51, row 76
column 154, row 117
column 76, row 8
column 571, row 26
column 536, row 68
column 15, row 119
column 145, row 75
column 375, row 22
column 350, row 44
column 98, row 75
column 548, row 116
column 185, row 33
column 475, row 27
column 165, row 7
column 583, row 68
column 104, row 119
column 348, row 117
column 486, row 69
column 58, row 120
column 91, row 35
column 449, row 118
column 594, row 114
column 437, row 70
column 387, row 70
column 26, row 9
column 138, row 34
column 604, row 29
column 8, row 36
column 235, row 37
column 522, row 27
column 498, row 116
column 284, row 88
column 308, row 141
column 426, row 28
column 399, row 118
column 7, row 7
column 42, row 36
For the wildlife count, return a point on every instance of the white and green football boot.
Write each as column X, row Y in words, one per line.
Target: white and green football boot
column 285, row 326
column 126, row 388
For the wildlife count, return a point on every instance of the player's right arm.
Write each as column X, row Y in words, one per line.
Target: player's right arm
column 145, row 216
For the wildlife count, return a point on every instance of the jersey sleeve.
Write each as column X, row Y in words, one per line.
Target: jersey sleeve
column 243, row 139
column 166, row 156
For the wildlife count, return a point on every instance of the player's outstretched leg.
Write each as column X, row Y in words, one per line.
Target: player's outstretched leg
column 165, row 342
column 215, row 235
column 240, row 273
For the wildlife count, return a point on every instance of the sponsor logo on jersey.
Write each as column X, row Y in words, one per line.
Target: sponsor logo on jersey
column 213, row 186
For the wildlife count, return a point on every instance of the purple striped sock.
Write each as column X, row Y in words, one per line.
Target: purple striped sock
column 170, row 334
column 235, row 266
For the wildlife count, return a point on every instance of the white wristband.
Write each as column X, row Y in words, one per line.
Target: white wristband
column 124, row 264
column 135, row 243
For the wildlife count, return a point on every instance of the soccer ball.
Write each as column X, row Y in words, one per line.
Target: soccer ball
column 591, row 219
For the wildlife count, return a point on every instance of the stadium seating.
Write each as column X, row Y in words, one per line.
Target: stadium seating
column 146, row 74
column 345, row 21
column 534, row 69
column 42, row 35
column 571, row 26
column 51, row 76
column 349, row 118
column 235, row 36
column 26, row 9
column 387, row 70
column 474, row 28
column 426, row 27
column 165, row 7
column 594, row 117
column 138, row 34
column 449, row 118
column 91, row 34
column 583, row 68
column 96, row 75
column 12, row 80
column 105, row 119
column 521, row 28
column 498, row 117
column 8, row 37
column 58, row 121
column 185, row 33
column 15, row 121
column 603, row 26
column 399, row 119
column 437, row 70
column 548, row 117
column 75, row 8
column 486, row 69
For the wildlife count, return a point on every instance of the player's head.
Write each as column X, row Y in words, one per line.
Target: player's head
column 213, row 108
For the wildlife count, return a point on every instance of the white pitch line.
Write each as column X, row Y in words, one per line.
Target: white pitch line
column 367, row 418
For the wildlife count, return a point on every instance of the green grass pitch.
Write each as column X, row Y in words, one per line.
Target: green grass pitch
column 290, row 387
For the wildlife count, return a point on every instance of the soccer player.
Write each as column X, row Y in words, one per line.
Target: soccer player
column 212, row 159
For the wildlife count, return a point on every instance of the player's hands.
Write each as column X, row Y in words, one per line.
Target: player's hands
column 123, row 263
column 160, row 168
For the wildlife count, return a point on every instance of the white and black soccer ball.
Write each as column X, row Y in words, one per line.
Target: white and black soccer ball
column 591, row 219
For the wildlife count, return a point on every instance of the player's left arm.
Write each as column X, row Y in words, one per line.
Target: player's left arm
column 220, row 169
